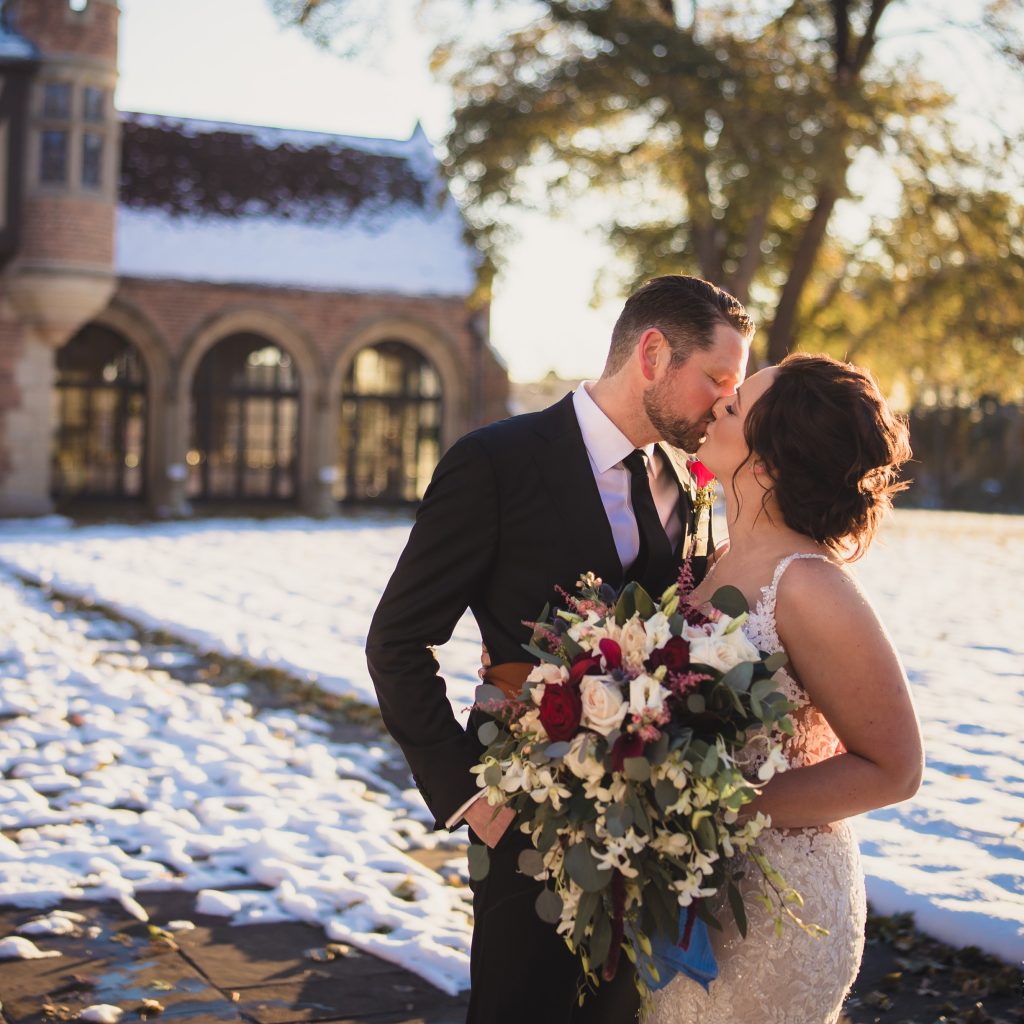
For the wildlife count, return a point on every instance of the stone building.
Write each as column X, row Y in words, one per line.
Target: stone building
column 195, row 314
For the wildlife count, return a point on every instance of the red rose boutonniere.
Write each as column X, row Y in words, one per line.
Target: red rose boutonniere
column 705, row 481
column 703, row 498
column 701, row 474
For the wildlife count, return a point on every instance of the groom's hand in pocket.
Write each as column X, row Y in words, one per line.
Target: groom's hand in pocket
column 489, row 824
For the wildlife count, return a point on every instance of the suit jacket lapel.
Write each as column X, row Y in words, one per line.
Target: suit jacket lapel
column 565, row 467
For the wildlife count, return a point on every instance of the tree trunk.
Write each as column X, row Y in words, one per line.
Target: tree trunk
column 782, row 332
column 740, row 282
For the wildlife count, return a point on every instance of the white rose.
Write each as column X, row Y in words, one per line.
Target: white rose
column 633, row 641
column 603, row 706
column 582, row 759
column 724, row 651
column 646, row 694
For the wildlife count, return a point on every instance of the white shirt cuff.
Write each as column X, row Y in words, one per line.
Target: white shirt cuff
column 457, row 817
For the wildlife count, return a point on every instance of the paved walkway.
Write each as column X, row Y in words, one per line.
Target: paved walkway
column 258, row 974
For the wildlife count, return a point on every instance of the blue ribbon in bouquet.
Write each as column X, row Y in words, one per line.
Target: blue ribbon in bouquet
column 690, row 953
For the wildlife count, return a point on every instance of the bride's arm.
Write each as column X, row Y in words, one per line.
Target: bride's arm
column 844, row 658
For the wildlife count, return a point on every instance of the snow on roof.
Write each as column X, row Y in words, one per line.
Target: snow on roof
column 228, row 203
column 15, row 47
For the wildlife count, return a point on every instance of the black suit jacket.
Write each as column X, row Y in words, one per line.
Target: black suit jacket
column 513, row 510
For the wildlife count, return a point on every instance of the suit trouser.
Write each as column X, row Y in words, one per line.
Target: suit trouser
column 521, row 970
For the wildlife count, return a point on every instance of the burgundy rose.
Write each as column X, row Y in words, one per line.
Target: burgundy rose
column 612, row 653
column 629, row 744
column 675, row 655
column 560, row 711
column 584, row 665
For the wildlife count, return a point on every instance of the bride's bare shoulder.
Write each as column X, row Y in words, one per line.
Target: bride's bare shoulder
column 822, row 590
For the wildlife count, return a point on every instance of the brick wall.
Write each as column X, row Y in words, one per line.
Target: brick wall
column 56, row 29
column 11, row 346
column 68, row 230
column 178, row 310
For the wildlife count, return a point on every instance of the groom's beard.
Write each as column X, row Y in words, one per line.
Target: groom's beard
column 673, row 428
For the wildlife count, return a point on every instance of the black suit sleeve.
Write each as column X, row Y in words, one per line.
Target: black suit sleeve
column 440, row 572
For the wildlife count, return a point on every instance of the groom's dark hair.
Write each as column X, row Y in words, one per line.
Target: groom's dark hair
column 685, row 309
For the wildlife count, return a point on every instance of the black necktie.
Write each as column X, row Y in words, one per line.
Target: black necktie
column 655, row 565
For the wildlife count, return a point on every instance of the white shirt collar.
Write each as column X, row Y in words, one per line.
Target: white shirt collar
column 605, row 443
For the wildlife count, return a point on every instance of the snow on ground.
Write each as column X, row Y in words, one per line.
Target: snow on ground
column 298, row 594
column 116, row 778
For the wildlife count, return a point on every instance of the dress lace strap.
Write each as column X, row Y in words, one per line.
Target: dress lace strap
column 770, row 592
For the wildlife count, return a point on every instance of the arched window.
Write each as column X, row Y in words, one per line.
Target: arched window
column 245, row 422
column 390, row 425
column 100, row 443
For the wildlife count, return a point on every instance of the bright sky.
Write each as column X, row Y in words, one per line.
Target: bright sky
column 231, row 60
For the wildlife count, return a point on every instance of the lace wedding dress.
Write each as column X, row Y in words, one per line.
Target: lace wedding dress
column 794, row 978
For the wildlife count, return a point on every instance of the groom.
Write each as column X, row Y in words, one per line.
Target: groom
column 513, row 510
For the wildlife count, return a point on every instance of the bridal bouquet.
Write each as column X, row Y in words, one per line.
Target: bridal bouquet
column 618, row 755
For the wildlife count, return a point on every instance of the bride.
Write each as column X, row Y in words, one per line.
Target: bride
column 807, row 452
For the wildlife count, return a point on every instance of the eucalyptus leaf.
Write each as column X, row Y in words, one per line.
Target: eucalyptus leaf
column 637, row 769
column 709, row 764
column 572, row 649
column 676, row 623
column 706, row 835
column 492, row 775
column 776, row 661
column 696, row 704
column 557, row 750
column 641, row 821
column 618, row 818
column 549, row 906
column 487, row 693
column 659, row 751
column 762, row 688
column 488, row 733
column 739, row 677
column 730, row 601
column 531, row 863
column 579, row 809
column 584, row 914
column 738, row 910
column 583, row 870
column 551, row 659
column 665, row 794
column 548, row 836
column 479, row 861
column 601, row 940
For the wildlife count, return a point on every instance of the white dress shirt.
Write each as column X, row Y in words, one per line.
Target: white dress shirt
column 606, row 447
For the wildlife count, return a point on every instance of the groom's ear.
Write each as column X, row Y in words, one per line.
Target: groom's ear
column 653, row 353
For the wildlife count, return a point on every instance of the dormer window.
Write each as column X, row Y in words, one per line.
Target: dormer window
column 56, row 133
column 57, row 101
column 94, row 104
column 53, row 157
column 92, row 160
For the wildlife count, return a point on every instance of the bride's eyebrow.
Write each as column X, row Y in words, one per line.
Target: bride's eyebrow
column 739, row 400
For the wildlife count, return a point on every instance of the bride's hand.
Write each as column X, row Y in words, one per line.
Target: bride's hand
column 485, row 661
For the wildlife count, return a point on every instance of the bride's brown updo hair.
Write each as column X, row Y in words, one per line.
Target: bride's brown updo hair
column 833, row 450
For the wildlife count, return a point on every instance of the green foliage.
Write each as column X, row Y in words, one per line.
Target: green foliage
column 721, row 137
